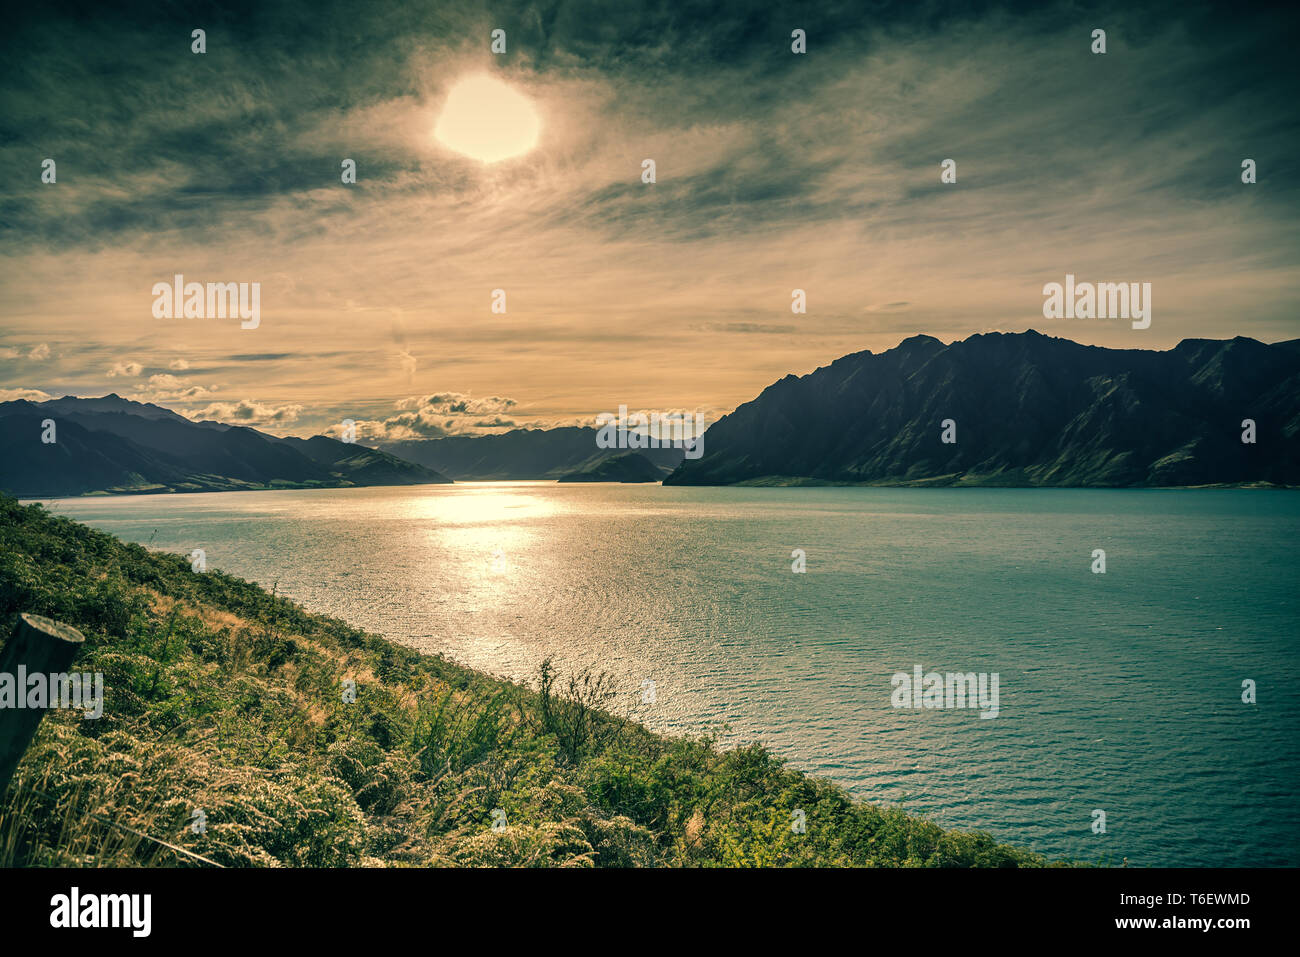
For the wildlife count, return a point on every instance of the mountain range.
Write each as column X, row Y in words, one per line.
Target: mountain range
column 519, row 454
column 112, row 444
column 1021, row 409
column 1013, row 409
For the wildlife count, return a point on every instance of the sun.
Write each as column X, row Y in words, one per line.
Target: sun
column 487, row 120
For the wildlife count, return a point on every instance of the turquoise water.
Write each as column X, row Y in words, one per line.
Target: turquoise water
column 1119, row 692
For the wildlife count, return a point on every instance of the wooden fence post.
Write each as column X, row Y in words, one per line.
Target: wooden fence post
column 44, row 647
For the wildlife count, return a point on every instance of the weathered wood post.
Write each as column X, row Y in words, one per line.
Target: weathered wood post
column 43, row 647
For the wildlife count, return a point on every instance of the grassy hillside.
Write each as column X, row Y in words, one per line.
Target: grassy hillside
column 221, row 697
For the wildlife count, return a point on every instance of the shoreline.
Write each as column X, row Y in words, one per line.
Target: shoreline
column 921, row 485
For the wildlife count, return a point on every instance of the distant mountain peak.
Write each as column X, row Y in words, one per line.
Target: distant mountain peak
column 920, row 339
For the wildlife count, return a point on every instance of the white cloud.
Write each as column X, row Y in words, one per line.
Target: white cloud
column 125, row 369
column 668, row 418
column 178, row 365
column 456, row 403
column 248, row 412
column 440, row 414
column 163, row 387
column 31, row 395
column 39, row 352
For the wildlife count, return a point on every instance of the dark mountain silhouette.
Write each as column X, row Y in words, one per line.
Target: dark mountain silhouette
column 519, row 454
column 1029, row 410
column 112, row 444
column 362, row 465
column 626, row 467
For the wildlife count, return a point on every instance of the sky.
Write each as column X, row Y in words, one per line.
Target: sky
column 774, row 171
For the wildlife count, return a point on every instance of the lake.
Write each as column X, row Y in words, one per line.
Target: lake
column 1119, row 692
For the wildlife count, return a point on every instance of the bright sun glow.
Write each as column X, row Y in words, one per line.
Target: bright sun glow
column 486, row 119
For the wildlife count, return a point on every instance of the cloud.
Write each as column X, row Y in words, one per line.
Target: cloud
column 37, row 353
column 438, row 415
column 164, row 387
column 31, row 395
column 749, row 328
column 456, row 403
column 248, row 412
column 178, row 365
column 684, row 419
column 125, row 369
column 496, row 422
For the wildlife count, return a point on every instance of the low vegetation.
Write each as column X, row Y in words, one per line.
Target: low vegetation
column 222, row 698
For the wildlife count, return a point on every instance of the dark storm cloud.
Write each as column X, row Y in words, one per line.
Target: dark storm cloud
column 151, row 138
